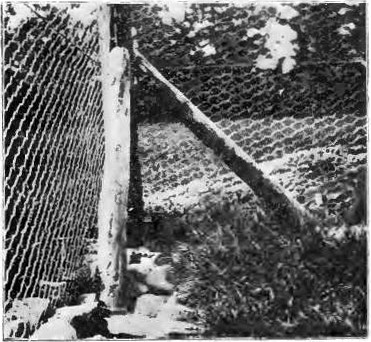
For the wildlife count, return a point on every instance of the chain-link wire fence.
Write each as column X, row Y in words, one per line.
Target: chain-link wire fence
column 306, row 128
column 306, row 144
column 53, row 147
column 278, row 120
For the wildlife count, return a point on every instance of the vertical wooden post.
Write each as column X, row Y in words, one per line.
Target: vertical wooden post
column 112, row 211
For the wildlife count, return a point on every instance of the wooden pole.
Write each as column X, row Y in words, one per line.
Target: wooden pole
column 275, row 196
column 112, row 211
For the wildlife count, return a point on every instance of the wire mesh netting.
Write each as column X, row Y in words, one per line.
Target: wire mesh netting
column 53, row 144
column 301, row 147
column 305, row 128
column 304, row 141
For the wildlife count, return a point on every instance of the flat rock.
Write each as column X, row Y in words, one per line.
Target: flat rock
column 147, row 327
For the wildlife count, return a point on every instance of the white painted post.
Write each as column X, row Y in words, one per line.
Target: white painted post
column 112, row 211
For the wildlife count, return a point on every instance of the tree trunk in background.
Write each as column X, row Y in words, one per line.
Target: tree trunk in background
column 286, row 208
column 112, row 212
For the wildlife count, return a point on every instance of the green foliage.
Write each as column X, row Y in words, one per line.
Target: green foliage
column 256, row 279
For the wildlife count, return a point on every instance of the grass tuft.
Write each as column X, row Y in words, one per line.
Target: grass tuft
column 256, row 278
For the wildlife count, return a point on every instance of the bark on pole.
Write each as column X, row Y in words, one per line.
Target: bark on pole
column 112, row 211
column 275, row 196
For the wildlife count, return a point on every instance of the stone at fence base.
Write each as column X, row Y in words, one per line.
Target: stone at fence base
column 147, row 327
column 55, row 329
column 150, row 305
column 157, row 278
column 154, row 317
column 96, row 338
column 143, row 288
column 26, row 311
column 155, row 275
column 59, row 326
column 87, row 298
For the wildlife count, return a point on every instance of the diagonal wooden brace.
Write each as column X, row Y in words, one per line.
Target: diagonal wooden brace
column 277, row 199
